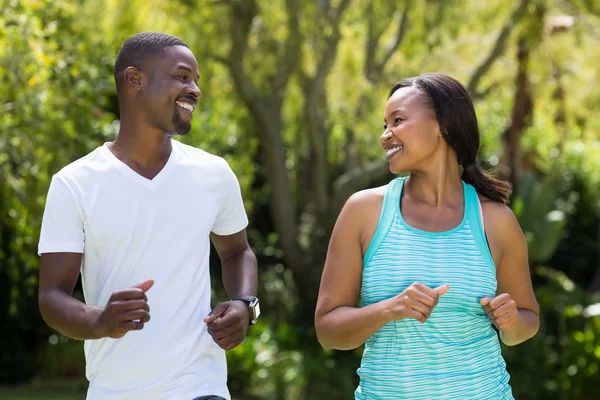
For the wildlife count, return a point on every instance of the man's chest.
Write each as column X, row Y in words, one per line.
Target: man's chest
column 132, row 216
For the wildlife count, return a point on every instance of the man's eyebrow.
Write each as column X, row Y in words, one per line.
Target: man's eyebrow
column 188, row 69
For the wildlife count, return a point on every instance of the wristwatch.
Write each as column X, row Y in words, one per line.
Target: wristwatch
column 253, row 307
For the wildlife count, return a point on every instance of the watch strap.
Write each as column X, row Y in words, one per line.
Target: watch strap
column 249, row 299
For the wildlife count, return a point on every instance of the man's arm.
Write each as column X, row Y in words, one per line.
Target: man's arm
column 126, row 309
column 240, row 271
column 62, row 312
column 228, row 321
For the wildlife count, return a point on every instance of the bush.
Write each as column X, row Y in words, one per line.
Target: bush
column 562, row 361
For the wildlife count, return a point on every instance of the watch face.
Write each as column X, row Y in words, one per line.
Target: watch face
column 256, row 311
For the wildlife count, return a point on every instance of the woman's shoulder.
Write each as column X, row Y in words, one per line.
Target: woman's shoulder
column 370, row 194
column 367, row 198
column 498, row 216
column 364, row 204
column 496, row 209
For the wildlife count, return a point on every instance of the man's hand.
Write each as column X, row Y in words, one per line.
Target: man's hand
column 126, row 310
column 228, row 323
column 502, row 310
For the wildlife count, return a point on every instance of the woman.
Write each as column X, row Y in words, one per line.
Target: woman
column 437, row 258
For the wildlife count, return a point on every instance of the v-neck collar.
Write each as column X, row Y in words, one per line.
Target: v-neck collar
column 136, row 177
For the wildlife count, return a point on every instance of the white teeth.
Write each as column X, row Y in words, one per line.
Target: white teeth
column 393, row 150
column 185, row 105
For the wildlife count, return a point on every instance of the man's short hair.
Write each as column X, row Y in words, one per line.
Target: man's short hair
column 141, row 47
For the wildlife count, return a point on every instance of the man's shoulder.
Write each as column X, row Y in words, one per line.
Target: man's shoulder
column 196, row 156
column 93, row 162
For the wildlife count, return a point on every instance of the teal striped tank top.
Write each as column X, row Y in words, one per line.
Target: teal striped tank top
column 455, row 354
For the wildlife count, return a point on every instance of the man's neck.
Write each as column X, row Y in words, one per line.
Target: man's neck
column 142, row 147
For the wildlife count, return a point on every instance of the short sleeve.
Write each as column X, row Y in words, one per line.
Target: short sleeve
column 62, row 224
column 232, row 216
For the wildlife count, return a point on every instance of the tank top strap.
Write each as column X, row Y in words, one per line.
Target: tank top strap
column 475, row 220
column 388, row 211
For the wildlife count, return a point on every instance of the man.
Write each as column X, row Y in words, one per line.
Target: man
column 136, row 216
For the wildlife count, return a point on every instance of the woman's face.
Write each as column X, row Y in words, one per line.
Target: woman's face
column 411, row 133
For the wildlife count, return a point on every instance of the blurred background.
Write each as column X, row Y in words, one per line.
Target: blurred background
column 293, row 97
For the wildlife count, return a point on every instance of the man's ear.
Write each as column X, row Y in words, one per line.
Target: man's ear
column 133, row 78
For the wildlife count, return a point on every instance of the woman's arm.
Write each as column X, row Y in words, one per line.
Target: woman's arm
column 514, row 310
column 338, row 322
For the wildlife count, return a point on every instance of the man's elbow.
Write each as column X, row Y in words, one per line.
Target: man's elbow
column 44, row 299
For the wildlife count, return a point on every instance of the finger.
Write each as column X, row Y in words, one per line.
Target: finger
column 225, row 321
column 132, row 326
column 425, row 289
column 136, row 315
column 128, row 294
column 442, row 290
column 230, row 342
column 502, row 310
column 217, row 312
column 416, row 295
column 499, row 300
column 130, row 305
column 146, row 285
column 485, row 301
column 414, row 314
column 417, row 305
column 507, row 321
column 226, row 331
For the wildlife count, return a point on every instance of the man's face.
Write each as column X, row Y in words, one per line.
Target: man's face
column 171, row 91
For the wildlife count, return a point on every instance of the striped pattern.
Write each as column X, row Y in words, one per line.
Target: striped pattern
column 456, row 353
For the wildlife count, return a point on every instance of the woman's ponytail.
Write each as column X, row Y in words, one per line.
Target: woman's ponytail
column 486, row 184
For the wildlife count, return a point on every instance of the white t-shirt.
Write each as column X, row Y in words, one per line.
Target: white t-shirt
column 131, row 229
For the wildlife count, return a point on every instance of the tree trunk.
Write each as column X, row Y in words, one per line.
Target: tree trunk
column 266, row 110
column 521, row 117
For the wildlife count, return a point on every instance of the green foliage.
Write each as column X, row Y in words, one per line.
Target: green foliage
column 563, row 360
column 51, row 94
column 535, row 208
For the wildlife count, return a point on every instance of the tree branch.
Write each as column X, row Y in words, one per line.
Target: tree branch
column 483, row 93
column 315, row 109
column 372, row 40
column 356, row 179
column 266, row 111
column 219, row 59
column 399, row 36
column 242, row 16
column 373, row 71
column 499, row 46
column 329, row 53
column 374, row 68
column 292, row 47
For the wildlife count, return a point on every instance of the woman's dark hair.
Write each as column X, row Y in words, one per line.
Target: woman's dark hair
column 455, row 114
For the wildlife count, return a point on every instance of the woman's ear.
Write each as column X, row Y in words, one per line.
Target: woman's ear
column 439, row 131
